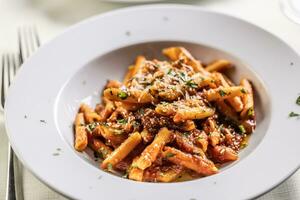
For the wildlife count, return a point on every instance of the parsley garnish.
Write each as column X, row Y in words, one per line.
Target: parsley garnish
column 243, row 90
column 222, row 93
column 109, row 167
column 293, row 114
column 242, row 129
column 298, row 101
column 186, row 134
column 170, row 71
column 191, row 84
column 122, row 95
column 122, row 121
column 90, row 127
column 169, row 155
column 250, row 112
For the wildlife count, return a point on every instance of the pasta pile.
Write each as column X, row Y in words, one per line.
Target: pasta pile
column 168, row 120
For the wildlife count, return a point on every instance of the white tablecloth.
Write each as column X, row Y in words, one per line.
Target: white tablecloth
column 52, row 17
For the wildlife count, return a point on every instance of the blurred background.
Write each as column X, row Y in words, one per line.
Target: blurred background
column 51, row 17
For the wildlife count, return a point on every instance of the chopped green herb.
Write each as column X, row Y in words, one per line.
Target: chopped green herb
column 125, row 175
column 298, row 101
column 109, row 167
column 250, row 112
column 243, row 90
column 170, row 71
column 186, row 134
column 122, row 121
column 243, row 145
column 91, row 127
column 200, row 137
column 103, row 152
column 122, row 95
column 191, row 84
column 98, row 154
column 169, row 155
column 222, row 93
column 242, row 129
column 293, row 114
column 182, row 76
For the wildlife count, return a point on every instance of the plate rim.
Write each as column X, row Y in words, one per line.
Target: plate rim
column 161, row 6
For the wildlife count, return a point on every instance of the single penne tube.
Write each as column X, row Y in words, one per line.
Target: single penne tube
column 123, row 150
column 81, row 138
column 151, row 152
column 248, row 109
column 218, row 65
column 135, row 173
column 198, row 164
column 98, row 146
column 224, row 93
column 188, row 113
column 133, row 96
column 235, row 102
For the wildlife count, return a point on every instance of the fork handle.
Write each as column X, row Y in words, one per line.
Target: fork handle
column 11, row 192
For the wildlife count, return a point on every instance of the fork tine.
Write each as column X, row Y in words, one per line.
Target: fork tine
column 1, row 82
column 11, row 68
column 36, row 36
column 5, row 79
column 28, row 40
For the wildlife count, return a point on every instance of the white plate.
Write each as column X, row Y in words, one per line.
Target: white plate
column 74, row 66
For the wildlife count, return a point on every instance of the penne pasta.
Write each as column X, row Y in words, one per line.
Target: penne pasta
column 81, row 139
column 151, row 152
column 135, row 96
column 222, row 93
column 198, row 112
column 200, row 165
column 218, row 65
column 193, row 113
column 236, row 101
column 123, row 150
column 248, row 109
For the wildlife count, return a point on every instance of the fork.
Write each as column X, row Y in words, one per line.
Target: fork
column 9, row 68
column 28, row 41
